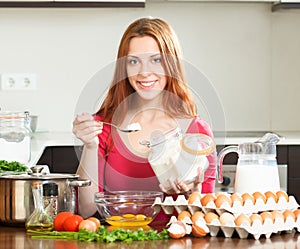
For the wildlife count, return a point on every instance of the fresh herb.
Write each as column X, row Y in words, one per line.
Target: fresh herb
column 12, row 166
column 103, row 235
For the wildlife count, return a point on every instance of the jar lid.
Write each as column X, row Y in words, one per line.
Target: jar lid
column 50, row 188
column 197, row 144
column 13, row 115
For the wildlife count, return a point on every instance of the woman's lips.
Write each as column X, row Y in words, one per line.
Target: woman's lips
column 147, row 84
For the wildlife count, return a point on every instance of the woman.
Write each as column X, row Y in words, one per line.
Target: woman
column 148, row 88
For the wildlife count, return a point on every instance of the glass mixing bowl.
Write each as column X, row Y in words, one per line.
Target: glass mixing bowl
column 127, row 208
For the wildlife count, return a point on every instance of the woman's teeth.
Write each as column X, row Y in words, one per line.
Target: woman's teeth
column 147, row 84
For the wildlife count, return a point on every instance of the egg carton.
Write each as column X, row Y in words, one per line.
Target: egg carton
column 257, row 229
column 169, row 205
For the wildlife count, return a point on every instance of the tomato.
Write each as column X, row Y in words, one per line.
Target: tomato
column 95, row 220
column 71, row 224
column 88, row 225
column 60, row 219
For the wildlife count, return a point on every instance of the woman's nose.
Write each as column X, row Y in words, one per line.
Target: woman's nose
column 145, row 69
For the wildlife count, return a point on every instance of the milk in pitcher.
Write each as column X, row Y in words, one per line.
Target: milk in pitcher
column 257, row 177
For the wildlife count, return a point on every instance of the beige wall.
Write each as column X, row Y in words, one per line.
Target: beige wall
column 248, row 53
column 286, row 70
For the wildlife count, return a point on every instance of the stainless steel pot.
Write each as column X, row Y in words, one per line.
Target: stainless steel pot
column 16, row 199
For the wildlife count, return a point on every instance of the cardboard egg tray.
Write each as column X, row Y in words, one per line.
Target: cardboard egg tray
column 257, row 229
column 168, row 205
column 244, row 231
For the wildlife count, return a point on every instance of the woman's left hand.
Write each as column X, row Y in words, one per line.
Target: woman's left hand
column 179, row 187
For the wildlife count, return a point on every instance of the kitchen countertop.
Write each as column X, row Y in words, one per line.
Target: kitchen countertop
column 17, row 238
column 41, row 140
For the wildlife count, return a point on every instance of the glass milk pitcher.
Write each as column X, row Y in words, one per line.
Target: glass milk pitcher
column 256, row 169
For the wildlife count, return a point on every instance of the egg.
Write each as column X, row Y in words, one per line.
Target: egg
column 247, row 196
column 219, row 193
column 199, row 231
column 183, row 215
column 242, row 219
column 236, row 197
column 254, row 217
column 270, row 194
column 297, row 213
column 194, row 197
column 227, row 219
column 207, row 199
column 277, row 215
column 196, row 216
column 267, row 215
column 199, row 227
column 283, row 194
column 221, row 199
column 210, row 216
column 177, row 230
column 289, row 213
column 258, row 195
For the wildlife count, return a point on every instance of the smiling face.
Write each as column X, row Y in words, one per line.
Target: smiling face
column 144, row 67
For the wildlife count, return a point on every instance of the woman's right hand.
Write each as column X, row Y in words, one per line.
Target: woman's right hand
column 87, row 129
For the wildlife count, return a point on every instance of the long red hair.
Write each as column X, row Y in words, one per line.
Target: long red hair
column 177, row 101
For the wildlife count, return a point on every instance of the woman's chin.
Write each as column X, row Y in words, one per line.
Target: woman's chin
column 149, row 94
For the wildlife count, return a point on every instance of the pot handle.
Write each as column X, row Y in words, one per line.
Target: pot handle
column 80, row 183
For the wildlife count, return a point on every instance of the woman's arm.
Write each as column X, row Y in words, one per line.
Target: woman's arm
column 87, row 129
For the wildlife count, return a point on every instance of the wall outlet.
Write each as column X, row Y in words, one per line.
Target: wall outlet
column 9, row 82
column 27, row 82
column 18, row 82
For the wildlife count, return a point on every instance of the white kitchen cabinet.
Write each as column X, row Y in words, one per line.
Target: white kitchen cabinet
column 73, row 3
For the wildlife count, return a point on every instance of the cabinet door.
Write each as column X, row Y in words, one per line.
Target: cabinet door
column 294, row 171
column 282, row 154
column 46, row 158
column 61, row 159
column 294, row 188
column 294, row 161
column 65, row 159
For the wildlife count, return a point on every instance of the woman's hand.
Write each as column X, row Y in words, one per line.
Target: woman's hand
column 179, row 187
column 87, row 129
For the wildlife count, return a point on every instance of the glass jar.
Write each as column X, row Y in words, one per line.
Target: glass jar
column 177, row 156
column 15, row 133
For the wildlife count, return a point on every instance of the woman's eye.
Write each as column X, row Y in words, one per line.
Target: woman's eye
column 133, row 62
column 156, row 60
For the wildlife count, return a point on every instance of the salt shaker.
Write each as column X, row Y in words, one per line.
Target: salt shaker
column 50, row 198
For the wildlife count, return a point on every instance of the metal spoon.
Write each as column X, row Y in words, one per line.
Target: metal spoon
column 134, row 127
